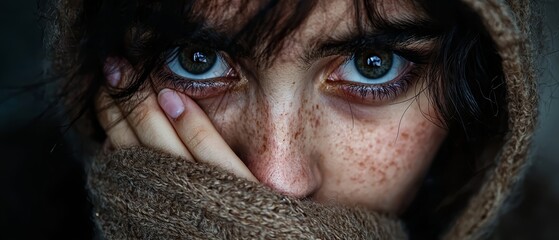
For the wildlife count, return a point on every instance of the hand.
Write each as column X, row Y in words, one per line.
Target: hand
column 168, row 121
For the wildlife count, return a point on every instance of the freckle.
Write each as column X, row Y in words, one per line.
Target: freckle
column 405, row 136
column 297, row 134
column 362, row 164
column 382, row 175
column 357, row 179
column 382, row 179
column 263, row 148
column 349, row 150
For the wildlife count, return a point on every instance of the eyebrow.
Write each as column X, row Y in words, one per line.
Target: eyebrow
column 209, row 37
column 388, row 33
column 394, row 34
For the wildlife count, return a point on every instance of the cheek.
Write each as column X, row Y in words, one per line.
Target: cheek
column 378, row 164
column 231, row 117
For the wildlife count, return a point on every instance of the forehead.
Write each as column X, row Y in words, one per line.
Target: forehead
column 271, row 29
column 233, row 14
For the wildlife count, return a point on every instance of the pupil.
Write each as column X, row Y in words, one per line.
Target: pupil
column 374, row 61
column 199, row 57
column 373, row 64
column 197, row 60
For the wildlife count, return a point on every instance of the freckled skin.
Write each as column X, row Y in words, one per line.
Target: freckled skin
column 304, row 143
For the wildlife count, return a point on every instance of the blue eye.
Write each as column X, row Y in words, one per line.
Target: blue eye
column 198, row 63
column 373, row 67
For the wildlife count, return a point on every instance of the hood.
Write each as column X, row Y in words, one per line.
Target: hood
column 127, row 186
column 509, row 23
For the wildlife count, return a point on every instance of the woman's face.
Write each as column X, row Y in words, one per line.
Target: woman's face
column 354, row 128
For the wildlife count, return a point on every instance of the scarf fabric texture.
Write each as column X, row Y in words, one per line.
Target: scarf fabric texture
column 144, row 194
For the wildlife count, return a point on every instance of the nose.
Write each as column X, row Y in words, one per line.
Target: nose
column 279, row 153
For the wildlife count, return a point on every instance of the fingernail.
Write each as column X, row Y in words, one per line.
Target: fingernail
column 111, row 69
column 171, row 103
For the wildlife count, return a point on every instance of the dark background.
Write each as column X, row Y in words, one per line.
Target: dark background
column 42, row 193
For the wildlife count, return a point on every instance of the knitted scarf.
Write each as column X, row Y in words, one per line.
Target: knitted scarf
column 143, row 194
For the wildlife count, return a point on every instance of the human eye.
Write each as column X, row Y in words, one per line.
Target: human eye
column 373, row 67
column 198, row 63
column 372, row 75
column 200, row 71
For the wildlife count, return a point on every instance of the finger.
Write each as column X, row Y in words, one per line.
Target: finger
column 198, row 133
column 111, row 120
column 142, row 113
column 154, row 129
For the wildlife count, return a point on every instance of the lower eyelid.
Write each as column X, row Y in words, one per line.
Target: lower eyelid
column 198, row 89
column 366, row 94
column 371, row 94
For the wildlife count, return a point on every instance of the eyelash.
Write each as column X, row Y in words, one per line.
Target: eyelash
column 373, row 93
column 199, row 89
column 333, row 84
column 377, row 93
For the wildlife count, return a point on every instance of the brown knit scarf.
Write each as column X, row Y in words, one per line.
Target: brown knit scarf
column 142, row 194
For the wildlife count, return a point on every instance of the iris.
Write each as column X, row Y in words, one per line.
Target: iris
column 198, row 63
column 373, row 64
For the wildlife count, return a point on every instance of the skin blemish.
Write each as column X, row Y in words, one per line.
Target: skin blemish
column 263, row 148
column 298, row 141
column 316, row 123
column 405, row 136
column 297, row 135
